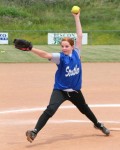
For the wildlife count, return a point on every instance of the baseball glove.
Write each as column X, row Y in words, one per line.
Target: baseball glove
column 22, row 44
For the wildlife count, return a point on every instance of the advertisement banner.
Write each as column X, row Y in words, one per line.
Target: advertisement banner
column 55, row 38
column 3, row 38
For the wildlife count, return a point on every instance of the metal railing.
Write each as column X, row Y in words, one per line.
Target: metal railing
column 39, row 37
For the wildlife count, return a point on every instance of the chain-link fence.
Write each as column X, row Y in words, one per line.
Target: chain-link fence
column 40, row 37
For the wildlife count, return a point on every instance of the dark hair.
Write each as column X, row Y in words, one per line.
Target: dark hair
column 68, row 39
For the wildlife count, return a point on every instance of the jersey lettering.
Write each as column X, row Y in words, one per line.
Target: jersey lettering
column 72, row 72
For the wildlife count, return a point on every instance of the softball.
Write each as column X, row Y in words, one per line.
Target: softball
column 75, row 9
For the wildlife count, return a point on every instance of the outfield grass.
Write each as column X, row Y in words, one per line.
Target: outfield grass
column 100, row 53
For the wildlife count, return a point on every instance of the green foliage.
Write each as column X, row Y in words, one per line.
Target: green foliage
column 12, row 12
column 55, row 16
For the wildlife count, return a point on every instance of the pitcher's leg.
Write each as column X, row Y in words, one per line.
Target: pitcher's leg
column 78, row 100
column 57, row 98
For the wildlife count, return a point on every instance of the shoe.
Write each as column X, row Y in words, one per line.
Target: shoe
column 31, row 134
column 101, row 127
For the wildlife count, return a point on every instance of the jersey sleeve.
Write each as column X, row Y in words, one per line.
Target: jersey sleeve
column 55, row 58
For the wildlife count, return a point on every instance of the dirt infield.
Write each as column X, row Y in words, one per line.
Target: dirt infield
column 24, row 93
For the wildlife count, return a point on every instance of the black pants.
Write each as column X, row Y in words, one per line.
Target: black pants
column 57, row 98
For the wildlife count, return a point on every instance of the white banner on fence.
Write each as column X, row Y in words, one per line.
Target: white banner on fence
column 55, row 38
column 3, row 38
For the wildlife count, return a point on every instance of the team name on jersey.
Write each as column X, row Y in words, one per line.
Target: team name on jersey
column 70, row 72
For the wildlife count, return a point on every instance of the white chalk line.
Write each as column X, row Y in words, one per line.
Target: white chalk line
column 28, row 122
column 27, row 110
column 12, row 123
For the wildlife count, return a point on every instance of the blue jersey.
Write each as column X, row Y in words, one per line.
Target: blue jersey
column 69, row 72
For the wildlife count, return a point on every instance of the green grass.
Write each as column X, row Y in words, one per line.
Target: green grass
column 44, row 15
column 99, row 53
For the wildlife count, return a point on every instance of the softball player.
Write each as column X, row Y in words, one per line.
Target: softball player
column 68, row 81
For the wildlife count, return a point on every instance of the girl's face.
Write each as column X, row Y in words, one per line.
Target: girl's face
column 66, row 47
